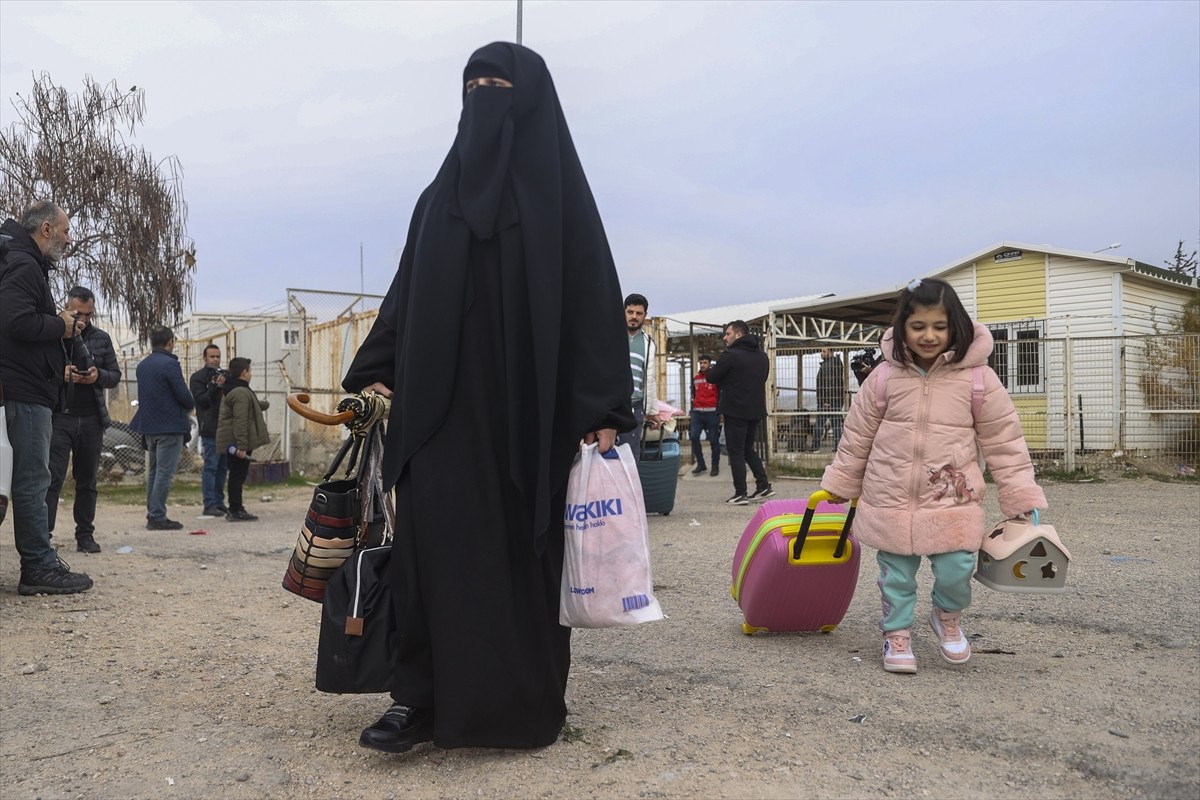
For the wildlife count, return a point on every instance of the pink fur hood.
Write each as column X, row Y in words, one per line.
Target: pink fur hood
column 916, row 471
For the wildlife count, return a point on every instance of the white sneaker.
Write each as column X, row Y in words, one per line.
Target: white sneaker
column 953, row 642
column 897, row 651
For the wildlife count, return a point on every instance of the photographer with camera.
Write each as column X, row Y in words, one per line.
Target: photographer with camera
column 79, row 421
column 862, row 364
column 208, row 388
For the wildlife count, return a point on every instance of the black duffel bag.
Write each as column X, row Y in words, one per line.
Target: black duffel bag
column 359, row 645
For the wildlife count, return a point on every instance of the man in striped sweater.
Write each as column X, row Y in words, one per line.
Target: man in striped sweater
column 641, row 364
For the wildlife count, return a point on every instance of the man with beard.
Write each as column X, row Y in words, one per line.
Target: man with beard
column 500, row 343
column 32, row 360
column 641, row 367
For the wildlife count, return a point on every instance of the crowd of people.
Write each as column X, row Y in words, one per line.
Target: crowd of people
column 56, row 366
column 508, row 279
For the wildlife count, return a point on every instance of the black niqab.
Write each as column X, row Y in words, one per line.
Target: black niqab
column 513, row 163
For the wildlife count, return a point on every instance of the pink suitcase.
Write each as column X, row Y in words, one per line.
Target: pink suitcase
column 796, row 566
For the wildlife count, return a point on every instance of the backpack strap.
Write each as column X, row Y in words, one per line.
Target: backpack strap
column 976, row 392
column 881, row 396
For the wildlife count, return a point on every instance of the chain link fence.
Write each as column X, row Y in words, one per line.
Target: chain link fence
column 1090, row 403
column 303, row 344
column 1086, row 403
column 329, row 328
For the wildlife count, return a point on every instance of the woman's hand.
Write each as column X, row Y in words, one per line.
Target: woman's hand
column 833, row 498
column 607, row 437
column 379, row 389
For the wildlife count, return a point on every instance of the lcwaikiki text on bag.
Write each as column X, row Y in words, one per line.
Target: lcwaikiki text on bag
column 606, row 580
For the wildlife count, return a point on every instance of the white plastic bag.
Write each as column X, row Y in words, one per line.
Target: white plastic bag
column 606, row 578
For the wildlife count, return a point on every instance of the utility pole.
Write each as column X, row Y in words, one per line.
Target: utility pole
column 519, row 4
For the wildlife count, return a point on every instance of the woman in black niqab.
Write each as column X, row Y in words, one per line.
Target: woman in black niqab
column 503, row 343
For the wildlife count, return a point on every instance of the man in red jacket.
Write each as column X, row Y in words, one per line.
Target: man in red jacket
column 705, row 419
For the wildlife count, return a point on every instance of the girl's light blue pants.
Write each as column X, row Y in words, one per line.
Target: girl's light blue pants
column 898, row 584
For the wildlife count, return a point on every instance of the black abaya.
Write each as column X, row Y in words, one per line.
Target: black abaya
column 503, row 339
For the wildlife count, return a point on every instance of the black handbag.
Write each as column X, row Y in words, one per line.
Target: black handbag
column 344, row 516
column 359, row 644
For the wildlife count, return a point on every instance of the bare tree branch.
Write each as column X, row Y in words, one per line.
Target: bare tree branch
column 128, row 214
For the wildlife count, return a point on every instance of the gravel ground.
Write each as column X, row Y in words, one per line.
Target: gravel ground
column 187, row 672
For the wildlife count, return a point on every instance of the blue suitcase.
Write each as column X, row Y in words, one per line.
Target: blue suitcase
column 658, row 469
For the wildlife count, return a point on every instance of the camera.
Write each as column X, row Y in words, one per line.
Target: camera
column 81, row 357
column 218, row 373
column 864, row 362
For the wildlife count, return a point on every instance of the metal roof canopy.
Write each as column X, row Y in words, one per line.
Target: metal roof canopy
column 855, row 321
column 861, row 319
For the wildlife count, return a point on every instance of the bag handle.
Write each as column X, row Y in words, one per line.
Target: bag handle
column 351, row 442
column 814, row 500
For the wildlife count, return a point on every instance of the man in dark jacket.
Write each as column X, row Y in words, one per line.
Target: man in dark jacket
column 208, row 389
column 162, row 417
column 80, row 420
column 741, row 373
column 831, row 394
column 31, row 370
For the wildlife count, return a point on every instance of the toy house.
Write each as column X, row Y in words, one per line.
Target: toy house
column 1022, row 556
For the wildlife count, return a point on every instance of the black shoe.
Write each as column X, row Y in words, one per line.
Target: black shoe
column 715, row 471
column 763, row 492
column 213, row 511
column 87, row 545
column 700, row 469
column 738, row 500
column 221, row 509
column 399, row 729
column 163, row 524
column 240, row 516
column 56, row 580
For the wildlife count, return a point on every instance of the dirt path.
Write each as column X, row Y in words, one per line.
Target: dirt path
column 187, row 673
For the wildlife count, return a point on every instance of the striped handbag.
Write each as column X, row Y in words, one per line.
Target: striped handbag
column 345, row 515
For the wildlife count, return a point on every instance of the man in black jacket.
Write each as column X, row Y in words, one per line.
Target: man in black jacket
column 80, row 421
column 32, row 361
column 208, row 387
column 741, row 373
column 831, row 396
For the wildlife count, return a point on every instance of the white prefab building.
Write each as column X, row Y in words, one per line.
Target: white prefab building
column 1079, row 337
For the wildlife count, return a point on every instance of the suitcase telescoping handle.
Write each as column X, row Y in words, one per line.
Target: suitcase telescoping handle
column 815, row 500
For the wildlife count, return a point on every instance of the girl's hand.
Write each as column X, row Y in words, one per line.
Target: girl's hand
column 833, row 498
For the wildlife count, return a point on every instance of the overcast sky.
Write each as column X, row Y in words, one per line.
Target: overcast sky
column 738, row 152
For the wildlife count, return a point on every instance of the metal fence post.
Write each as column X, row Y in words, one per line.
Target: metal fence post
column 772, row 393
column 1069, row 432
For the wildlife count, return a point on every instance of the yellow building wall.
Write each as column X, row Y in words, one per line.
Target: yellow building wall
column 1011, row 290
column 1032, row 411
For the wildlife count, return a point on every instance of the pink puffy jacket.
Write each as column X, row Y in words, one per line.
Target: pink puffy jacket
column 915, row 470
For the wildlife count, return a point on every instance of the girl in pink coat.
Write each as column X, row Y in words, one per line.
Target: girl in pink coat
column 915, row 470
